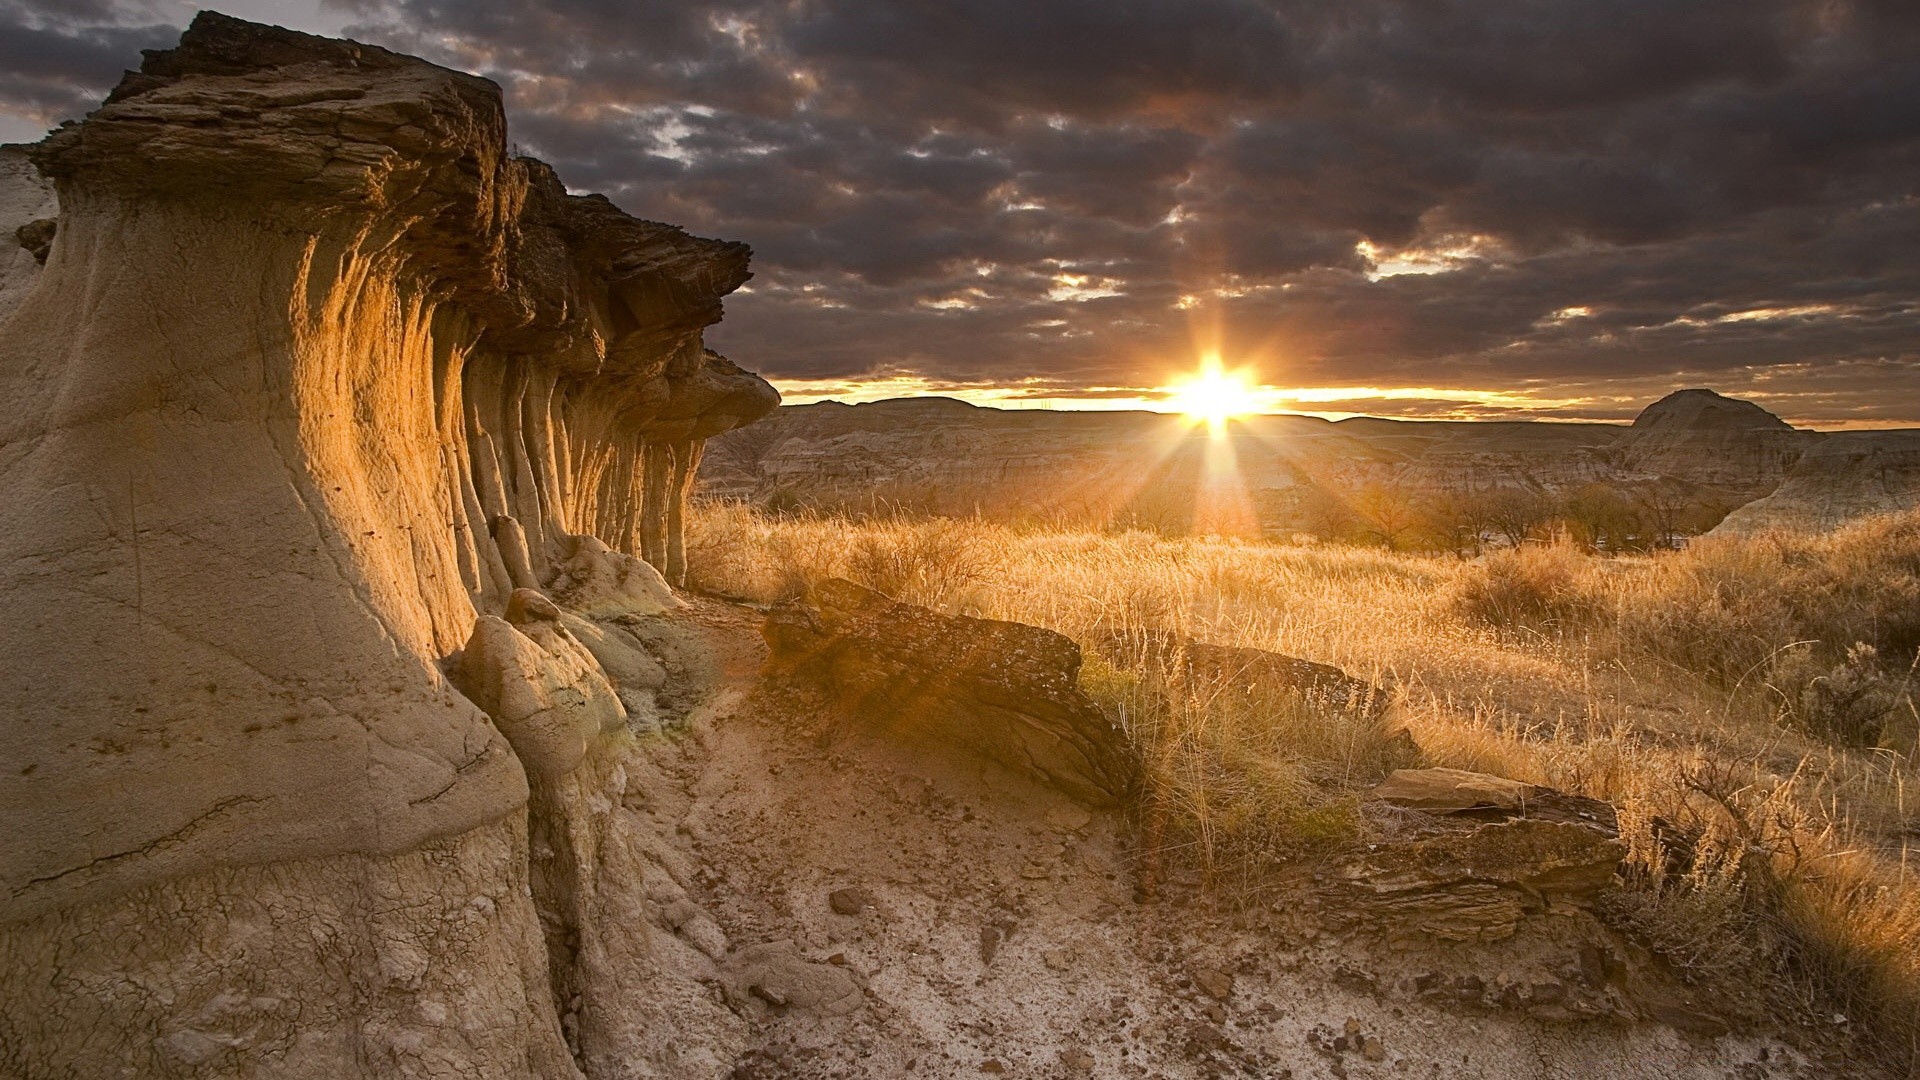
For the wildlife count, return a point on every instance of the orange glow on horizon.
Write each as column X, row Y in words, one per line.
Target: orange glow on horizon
column 1213, row 395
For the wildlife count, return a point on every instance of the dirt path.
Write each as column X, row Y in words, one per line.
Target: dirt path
column 886, row 911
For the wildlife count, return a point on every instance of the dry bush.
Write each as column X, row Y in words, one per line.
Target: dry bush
column 1727, row 607
column 936, row 563
column 1534, row 586
column 745, row 554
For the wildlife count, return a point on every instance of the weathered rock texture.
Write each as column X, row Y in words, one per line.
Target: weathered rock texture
column 1843, row 476
column 1476, row 854
column 28, row 210
column 314, row 374
column 1007, row 691
column 1711, row 439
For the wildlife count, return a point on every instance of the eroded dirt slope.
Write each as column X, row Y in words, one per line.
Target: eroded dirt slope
column 878, row 910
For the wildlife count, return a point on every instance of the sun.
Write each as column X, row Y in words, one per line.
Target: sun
column 1213, row 394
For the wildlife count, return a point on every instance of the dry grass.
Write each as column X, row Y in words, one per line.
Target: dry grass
column 1755, row 695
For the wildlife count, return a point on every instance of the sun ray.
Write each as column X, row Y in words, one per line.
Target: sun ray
column 1214, row 395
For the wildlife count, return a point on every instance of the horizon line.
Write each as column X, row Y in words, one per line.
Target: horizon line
column 1006, row 401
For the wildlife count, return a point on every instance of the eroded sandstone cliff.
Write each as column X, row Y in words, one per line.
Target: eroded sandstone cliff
column 315, row 374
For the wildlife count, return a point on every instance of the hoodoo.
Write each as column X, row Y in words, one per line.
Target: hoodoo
column 313, row 376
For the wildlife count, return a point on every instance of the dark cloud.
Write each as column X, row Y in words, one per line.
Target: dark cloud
column 1579, row 202
column 56, row 60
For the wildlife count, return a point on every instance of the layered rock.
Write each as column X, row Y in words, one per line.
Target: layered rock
column 1476, row 854
column 1006, row 691
column 1706, row 438
column 314, row 375
column 1843, row 476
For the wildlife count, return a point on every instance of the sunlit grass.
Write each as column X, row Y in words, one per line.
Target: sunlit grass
column 1713, row 690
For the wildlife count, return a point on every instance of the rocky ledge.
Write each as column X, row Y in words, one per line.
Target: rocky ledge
column 1007, row 691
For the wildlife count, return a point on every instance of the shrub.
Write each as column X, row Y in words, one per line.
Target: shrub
column 1535, row 587
column 936, row 563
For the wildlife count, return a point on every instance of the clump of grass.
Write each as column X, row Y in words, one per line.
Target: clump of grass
column 1241, row 782
column 1538, row 587
column 744, row 554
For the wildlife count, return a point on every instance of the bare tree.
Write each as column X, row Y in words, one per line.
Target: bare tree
column 1385, row 514
column 1517, row 514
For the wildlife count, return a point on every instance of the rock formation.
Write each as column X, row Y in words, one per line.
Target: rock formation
column 1842, row 476
column 1710, row 439
column 28, row 210
column 1476, row 854
column 317, row 390
column 1006, row 691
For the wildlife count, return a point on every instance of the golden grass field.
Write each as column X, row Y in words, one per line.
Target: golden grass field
column 1753, row 695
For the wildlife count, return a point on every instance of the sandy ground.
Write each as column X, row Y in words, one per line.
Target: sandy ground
column 886, row 911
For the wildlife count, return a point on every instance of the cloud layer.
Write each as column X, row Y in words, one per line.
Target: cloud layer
column 1577, row 204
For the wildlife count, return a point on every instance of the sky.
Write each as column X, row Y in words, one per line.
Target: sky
column 1418, row 208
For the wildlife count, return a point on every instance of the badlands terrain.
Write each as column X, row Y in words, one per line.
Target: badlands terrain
column 1703, row 459
column 377, row 705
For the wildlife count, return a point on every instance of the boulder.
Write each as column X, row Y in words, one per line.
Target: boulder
column 597, row 581
column 1006, row 691
column 1445, row 791
column 776, row 974
column 544, row 690
column 1474, row 854
column 1243, row 670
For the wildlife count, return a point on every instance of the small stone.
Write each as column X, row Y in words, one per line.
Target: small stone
column 1058, row 959
column 992, row 1065
column 1215, row 983
column 1069, row 818
column 850, row 901
column 1077, row 1061
column 1372, row 1049
column 839, row 959
column 1215, row 1013
column 769, row 995
column 1353, row 1028
column 990, row 939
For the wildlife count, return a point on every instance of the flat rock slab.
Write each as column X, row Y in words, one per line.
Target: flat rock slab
column 776, row 974
column 1444, row 791
column 1006, row 691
